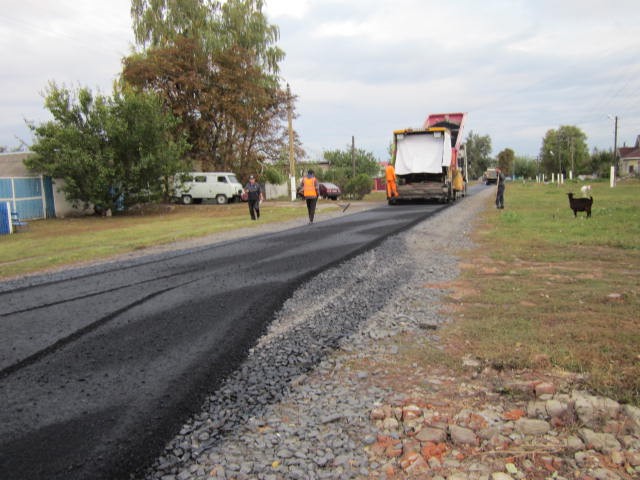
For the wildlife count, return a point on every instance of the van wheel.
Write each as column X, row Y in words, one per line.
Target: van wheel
column 186, row 199
column 221, row 199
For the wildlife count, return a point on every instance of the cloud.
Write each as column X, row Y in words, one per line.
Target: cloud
column 69, row 42
column 518, row 67
column 366, row 68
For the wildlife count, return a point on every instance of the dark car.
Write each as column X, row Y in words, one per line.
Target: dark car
column 327, row 190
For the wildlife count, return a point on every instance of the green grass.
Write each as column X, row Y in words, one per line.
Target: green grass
column 47, row 244
column 544, row 282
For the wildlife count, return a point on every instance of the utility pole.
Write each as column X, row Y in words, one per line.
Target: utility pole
column 292, row 160
column 353, row 156
column 572, row 166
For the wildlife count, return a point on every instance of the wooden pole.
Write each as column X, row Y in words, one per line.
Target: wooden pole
column 353, row 156
column 292, row 160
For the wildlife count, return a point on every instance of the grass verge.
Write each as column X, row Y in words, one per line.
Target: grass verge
column 52, row 243
column 543, row 286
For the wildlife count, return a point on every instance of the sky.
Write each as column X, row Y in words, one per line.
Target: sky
column 362, row 69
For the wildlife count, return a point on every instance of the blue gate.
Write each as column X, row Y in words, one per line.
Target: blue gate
column 5, row 218
column 31, row 197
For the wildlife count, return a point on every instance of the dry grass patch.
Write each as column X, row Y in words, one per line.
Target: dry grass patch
column 52, row 243
column 530, row 293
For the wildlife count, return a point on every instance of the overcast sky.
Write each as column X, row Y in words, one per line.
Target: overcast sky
column 364, row 68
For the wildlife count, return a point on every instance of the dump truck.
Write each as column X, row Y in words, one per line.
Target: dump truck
column 490, row 176
column 429, row 162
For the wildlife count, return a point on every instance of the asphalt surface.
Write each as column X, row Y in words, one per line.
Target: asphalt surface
column 99, row 367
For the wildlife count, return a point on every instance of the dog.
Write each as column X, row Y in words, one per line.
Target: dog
column 586, row 190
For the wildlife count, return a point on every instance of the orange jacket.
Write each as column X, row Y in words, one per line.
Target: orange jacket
column 390, row 173
column 309, row 187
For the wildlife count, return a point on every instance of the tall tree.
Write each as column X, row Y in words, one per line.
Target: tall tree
column 564, row 150
column 478, row 151
column 215, row 64
column 505, row 160
column 108, row 151
column 157, row 23
column 218, row 25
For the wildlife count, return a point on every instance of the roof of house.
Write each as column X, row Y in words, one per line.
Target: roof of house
column 12, row 165
column 627, row 153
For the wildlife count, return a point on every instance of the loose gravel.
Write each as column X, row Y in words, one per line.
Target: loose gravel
column 295, row 409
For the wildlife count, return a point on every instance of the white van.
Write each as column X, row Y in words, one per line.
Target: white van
column 193, row 187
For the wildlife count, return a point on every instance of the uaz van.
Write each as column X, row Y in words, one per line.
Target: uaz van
column 194, row 187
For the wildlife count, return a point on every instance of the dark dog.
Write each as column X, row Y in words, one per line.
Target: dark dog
column 580, row 205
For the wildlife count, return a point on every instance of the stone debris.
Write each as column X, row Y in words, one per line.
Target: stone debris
column 338, row 395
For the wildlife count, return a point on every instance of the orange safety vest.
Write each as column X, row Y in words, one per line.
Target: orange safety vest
column 391, row 173
column 309, row 187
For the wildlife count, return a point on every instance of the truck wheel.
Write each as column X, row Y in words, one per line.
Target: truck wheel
column 221, row 199
column 186, row 199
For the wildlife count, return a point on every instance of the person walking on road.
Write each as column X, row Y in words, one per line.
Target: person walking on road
column 500, row 191
column 310, row 192
column 254, row 196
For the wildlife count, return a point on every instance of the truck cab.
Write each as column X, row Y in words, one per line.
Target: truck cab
column 194, row 187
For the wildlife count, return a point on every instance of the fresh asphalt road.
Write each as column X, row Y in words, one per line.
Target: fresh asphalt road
column 99, row 367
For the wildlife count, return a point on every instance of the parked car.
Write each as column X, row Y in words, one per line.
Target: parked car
column 327, row 190
column 194, row 187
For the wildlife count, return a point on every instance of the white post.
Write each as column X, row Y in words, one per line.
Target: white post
column 292, row 180
column 9, row 222
column 44, row 198
column 612, row 175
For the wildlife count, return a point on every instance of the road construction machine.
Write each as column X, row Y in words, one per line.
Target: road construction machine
column 430, row 162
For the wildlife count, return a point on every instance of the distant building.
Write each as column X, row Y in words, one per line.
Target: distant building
column 630, row 159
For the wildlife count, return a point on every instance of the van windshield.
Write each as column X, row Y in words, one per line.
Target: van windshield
column 233, row 179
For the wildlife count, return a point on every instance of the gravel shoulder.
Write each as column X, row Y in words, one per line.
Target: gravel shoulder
column 344, row 386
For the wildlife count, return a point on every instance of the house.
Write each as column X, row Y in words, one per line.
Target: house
column 32, row 196
column 630, row 159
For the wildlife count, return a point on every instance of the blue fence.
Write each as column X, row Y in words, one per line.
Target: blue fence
column 31, row 197
column 5, row 218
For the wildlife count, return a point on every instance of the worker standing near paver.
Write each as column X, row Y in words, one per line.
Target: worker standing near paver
column 390, row 174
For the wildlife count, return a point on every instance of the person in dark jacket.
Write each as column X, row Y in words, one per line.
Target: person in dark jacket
column 500, row 191
column 255, row 196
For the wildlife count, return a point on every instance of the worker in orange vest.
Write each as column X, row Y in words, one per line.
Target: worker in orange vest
column 311, row 193
column 390, row 172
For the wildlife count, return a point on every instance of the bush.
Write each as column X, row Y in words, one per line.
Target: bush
column 274, row 177
column 357, row 187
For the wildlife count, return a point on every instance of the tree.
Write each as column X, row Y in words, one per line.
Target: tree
column 341, row 170
column 525, row 167
column 505, row 161
column 477, row 149
column 215, row 64
column 341, row 160
column 600, row 163
column 108, row 151
column 564, row 150
column 358, row 186
column 146, row 154
column 217, row 25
